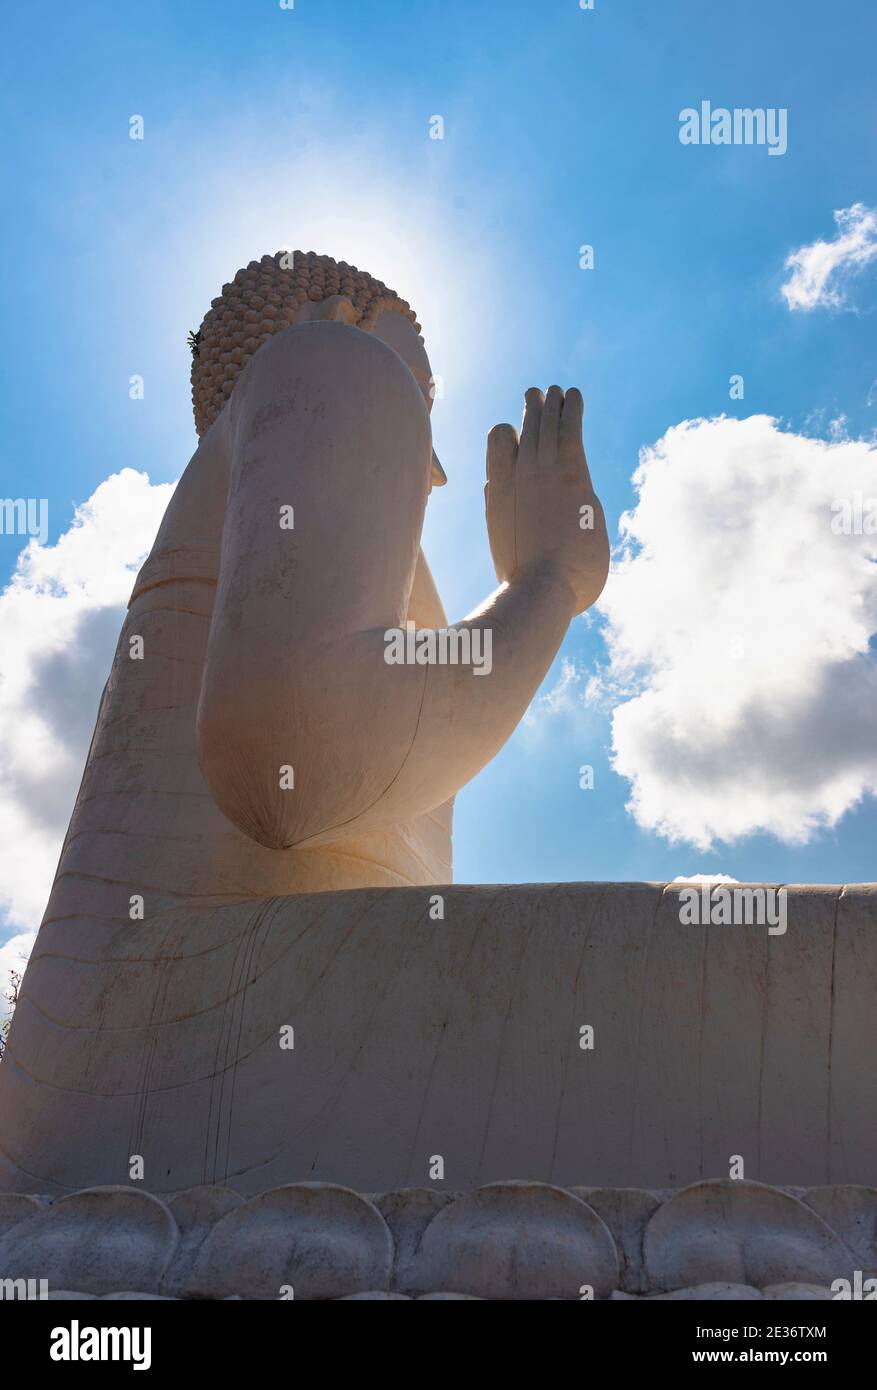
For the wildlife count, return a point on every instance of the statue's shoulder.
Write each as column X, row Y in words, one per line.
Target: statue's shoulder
column 187, row 546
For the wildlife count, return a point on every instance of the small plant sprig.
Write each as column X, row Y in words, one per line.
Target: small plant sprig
column 11, row 998
column 194, row 341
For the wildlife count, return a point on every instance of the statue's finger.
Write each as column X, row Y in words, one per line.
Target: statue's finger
column 549, row 427
column 499, row 496
column 571, row 417
column 572, row 448
column 533, row 402
column 502, row 448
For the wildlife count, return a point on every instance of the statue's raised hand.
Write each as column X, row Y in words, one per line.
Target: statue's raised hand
column 542, row 511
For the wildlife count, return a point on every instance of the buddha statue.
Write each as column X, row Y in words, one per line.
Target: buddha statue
column 253, row 742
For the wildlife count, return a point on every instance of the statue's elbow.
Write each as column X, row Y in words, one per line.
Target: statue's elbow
column 252, row 778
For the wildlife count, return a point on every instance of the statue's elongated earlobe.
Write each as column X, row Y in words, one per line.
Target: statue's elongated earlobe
column 438, row 477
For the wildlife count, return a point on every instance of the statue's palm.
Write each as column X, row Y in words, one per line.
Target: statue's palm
column 541, row 505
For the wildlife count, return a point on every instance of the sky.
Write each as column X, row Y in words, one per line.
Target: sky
column 721, row 327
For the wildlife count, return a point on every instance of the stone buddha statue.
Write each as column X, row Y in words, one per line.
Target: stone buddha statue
column 253, row 741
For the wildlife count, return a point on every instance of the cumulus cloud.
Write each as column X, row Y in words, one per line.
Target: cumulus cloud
column 738, row 623
column 59, row 621
column 820, row 274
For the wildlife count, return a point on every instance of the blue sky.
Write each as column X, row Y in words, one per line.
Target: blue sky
column 268, row 128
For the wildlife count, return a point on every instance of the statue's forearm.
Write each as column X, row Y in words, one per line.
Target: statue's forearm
column 467, row 710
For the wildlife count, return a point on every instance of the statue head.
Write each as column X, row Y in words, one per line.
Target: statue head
column 294, row 287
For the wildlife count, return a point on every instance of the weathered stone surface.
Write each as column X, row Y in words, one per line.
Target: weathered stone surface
column 374, row 1296
column 94, row 1241
column 68, row 1296
column 742, row 1232
column 196, row 1211
column 199, row 1208
column 792, row 1292
column 508, row 1240
column 132, row 1297
column 851, row 1131
column 389, row 1070
column 709, row 1293
column 447, row 1298
column 851, row 1212
column 626, row 1212
column 408, row 1212
column 15, row 1207
column 517, row 1240
column 322, row 1240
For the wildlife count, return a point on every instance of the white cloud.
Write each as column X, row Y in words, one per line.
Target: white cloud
column 704, row 878
column 59, row 621
column 738, row 628
column 821, row 273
